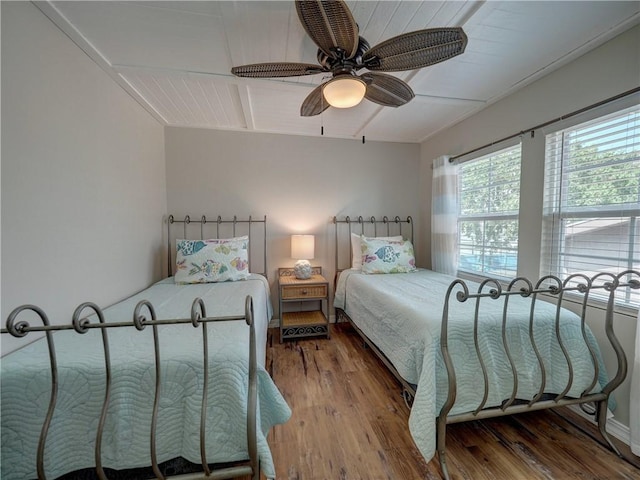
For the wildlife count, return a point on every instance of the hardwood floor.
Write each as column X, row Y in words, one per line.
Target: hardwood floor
column 349, row 422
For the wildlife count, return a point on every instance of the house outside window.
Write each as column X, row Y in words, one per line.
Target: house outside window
column 488, row 203
column 591, row 220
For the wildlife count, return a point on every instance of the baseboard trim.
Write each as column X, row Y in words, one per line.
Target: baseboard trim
column 619, row 430
column 620, row 433
column 614, row 427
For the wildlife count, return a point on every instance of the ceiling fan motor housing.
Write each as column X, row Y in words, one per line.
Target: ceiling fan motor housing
column 338, row 60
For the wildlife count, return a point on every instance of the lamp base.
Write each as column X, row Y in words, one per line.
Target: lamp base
column 302, row 269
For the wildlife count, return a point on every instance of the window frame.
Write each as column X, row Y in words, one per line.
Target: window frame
column 486, row 154
column 553, row 255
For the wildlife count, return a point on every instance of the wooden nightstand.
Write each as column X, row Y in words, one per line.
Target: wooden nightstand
column 303, row 304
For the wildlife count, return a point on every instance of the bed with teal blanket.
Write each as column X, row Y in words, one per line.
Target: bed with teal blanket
column 26, row 386
column 403, row 317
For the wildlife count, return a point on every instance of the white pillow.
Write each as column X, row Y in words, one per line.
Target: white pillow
column 216, row 260
column 387, row 256
column 356, row 248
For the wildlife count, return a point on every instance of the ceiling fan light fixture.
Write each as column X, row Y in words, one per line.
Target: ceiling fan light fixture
column 344, row 91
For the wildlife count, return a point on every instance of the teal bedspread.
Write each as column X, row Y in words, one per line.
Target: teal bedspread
column 25, row 387
column 402, row 315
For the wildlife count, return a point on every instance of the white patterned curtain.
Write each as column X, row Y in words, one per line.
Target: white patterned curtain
column 634, row 402
column 444, row 216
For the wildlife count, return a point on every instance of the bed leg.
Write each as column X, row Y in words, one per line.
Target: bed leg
column 602, row 425
column 443, row 465
column 408, row 397
column 441, row 428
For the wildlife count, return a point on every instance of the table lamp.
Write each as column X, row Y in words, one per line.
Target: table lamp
column 302, row 249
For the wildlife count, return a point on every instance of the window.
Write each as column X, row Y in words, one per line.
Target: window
column 592, row 198
column 488, row 203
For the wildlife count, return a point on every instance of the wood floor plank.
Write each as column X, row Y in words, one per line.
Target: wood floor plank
column 350, row 422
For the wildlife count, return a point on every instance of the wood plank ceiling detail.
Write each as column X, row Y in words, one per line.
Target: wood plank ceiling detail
column 175, row 58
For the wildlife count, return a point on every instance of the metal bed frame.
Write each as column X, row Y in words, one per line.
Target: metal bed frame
column 373, row 225
column 491, row 289
column 144, row 315
column 219, row 223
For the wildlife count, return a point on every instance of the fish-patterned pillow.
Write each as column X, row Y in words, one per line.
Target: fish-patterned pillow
column 216, row 260
column 387, row 256
column 356, row 248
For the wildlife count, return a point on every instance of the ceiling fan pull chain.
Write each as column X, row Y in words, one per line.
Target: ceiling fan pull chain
column 321, row 116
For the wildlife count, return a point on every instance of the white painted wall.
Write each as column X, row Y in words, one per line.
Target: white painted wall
column 83, row 176
column 84, row 184
column 602, row 73
column 300, row 183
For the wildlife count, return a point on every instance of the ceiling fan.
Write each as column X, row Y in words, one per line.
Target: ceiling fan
column 342, row 53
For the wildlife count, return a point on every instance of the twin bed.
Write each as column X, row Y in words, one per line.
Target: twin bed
column 464, row 351
column 185, row 379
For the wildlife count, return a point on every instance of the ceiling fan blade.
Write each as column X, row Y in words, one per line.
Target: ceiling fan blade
column 416, row 49
column 386, row 90
column 314, row 104
column 278, row 69
column 330, row 25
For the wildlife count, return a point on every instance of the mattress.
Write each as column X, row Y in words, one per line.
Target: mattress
column 25, row 387
column 402, row 315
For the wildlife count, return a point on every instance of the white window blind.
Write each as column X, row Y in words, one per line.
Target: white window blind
column 489, row 201
column 592, row 198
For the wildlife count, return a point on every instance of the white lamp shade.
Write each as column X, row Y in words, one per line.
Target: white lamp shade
column 344, row 91
column 302, row 247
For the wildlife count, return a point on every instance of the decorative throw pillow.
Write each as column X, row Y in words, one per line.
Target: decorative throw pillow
column 387, row 256
column 356, row 248
column 216, row 260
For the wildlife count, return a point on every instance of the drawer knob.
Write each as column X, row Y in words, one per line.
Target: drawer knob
column 304, row 292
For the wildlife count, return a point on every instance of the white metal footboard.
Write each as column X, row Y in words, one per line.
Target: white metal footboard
column 144, row 316
column 492, row 290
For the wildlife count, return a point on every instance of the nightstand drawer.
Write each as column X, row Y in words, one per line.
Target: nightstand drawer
column 289, row 292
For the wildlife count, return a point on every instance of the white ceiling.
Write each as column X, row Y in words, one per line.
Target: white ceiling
column 175, row 58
